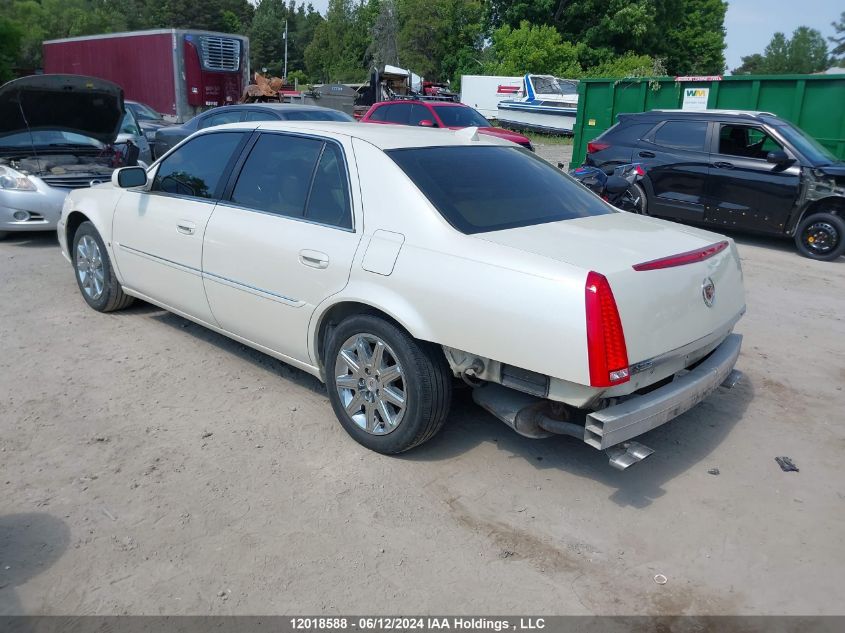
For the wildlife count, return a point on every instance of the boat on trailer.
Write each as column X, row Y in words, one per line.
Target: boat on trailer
column 544, row 104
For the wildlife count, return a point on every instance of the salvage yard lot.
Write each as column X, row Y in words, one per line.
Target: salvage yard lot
column 148, row 465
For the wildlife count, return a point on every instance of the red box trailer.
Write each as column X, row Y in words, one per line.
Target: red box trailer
column 177, row 72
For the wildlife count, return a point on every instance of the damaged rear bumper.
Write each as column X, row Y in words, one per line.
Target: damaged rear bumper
column 641, row 413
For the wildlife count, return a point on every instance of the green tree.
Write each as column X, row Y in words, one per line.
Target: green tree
column 805, row 52
column 338, row 48
column 838, row 39
column 532, row 49
column 10, row 38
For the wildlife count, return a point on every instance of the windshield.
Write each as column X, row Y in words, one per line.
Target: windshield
column 555, row 86
column 489, row 188
column 317, row 115
column 455, row 116
column 817, row 153
column 144, row 112
column 46, row 138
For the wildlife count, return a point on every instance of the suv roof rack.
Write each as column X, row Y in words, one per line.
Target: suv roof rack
column 716, row 111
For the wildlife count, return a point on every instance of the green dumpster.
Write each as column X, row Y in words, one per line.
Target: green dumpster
column 815, row 103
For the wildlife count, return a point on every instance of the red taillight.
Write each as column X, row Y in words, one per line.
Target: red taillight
column 596, row 146
column 606, row 348
column 690, row 257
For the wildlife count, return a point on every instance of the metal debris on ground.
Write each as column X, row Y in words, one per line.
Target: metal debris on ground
column 786, row 464
column 713, row 471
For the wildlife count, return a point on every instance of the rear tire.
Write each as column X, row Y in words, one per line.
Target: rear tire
column 389, row 391
column 638, row 193
column 821, row 236
column 94, row 273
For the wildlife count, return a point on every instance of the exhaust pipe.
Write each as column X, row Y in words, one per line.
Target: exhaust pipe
column 627, row 454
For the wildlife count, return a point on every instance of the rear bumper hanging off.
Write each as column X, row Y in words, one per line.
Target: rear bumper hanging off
column 639, row 414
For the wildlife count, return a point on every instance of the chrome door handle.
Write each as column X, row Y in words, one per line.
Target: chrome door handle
column 186, row 228
column 315, row 259
column 723, row 165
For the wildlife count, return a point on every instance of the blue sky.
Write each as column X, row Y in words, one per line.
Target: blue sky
column 751, row 23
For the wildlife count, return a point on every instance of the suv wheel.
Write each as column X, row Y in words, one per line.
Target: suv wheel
column 821, row 236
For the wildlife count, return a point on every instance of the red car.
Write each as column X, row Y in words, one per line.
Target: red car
column 445, row 114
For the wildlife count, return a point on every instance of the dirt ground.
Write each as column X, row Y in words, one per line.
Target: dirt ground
column 149, row 466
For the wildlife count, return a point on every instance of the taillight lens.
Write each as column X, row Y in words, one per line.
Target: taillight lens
column 689, row 257
column 596, row 146
column 606, row 350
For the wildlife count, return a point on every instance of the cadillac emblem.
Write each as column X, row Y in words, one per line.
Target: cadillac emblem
column 708, row 292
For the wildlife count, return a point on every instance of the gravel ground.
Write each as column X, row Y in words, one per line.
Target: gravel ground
column 149, row 466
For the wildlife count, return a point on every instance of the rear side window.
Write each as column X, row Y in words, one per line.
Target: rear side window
column 420, row 113
column 196, row 167
column 399, row 113
column 257, row 115
column 489, row 188
column 379, row 113
column 627, row 133
column 232, row 116
column 296, row 177
column 688, row 135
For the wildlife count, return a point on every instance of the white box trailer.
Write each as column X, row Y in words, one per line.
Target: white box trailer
column 483, row 92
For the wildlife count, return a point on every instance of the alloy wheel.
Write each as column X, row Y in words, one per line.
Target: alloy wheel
column 90, row 267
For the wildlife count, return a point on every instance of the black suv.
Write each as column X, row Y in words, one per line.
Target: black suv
column 730, row 169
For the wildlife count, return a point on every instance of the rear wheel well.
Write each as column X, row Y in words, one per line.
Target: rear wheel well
column 74, row 220
column 338, row 313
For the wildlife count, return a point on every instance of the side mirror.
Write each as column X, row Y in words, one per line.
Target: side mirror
column 777, row 157
column 426, row 123
column 128, row 177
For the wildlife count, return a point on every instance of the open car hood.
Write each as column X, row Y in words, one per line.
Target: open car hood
column 66, row 103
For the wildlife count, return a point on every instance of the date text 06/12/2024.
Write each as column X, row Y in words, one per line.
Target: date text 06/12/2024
column 416, row 623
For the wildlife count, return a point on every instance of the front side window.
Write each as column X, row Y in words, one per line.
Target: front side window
column 746, row 141
column 129, row 125
column 490, row 188
column 196, row 168
column 687, row 135
column 295, row 177
column 456, row 116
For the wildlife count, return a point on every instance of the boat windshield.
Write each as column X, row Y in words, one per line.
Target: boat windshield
column 547, row 85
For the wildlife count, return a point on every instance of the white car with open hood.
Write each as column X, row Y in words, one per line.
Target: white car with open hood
column 392, row 263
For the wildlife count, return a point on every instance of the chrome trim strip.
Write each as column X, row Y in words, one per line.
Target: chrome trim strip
column 231, row 205
column 156, row 258
column 266, row 294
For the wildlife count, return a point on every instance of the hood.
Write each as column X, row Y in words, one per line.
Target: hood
column 65, row 103
column 837, row 170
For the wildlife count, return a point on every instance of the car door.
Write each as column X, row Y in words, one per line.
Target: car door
column 158, row 230
column 677, row 156
column 744, row 189
column 281, row 241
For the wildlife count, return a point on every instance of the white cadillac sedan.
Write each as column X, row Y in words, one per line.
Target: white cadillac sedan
column 391, row 263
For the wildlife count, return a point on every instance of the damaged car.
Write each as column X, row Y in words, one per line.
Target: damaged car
column 731, row 169
column 59, row 133
column 564, row 314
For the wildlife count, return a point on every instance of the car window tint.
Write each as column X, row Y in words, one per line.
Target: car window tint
column 257, row 115
column 627, row 132
column 329, row 199
column 276, row 176
column 746, row 141
column 379, row 113
column 399, row 113
column 489, row 188
column 688, row 135
column 458, row 116
column 419, row 113
column 232, row 116
column 317, row 115
column 195, row 168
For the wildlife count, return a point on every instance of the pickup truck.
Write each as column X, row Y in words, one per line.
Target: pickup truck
column 393, row 265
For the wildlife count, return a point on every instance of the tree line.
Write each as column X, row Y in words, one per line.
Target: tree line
column 439, row 39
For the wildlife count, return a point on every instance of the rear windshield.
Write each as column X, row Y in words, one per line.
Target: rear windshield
column 488, row 188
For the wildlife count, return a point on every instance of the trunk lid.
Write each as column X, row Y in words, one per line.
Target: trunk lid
column 661, row 310
column 66, row 103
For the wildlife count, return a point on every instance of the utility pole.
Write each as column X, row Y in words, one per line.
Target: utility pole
column 286, row 50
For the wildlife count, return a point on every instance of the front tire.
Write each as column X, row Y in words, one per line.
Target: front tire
column 638, row 199
column 94, row 273
column 389, row 391
column 821, row 236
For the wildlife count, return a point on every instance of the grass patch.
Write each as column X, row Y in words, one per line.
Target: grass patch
column 548, row 139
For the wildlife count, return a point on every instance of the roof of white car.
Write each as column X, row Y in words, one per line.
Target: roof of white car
column 382, row 136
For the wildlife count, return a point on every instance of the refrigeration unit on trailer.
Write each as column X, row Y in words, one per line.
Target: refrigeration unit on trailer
column 177, row 72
